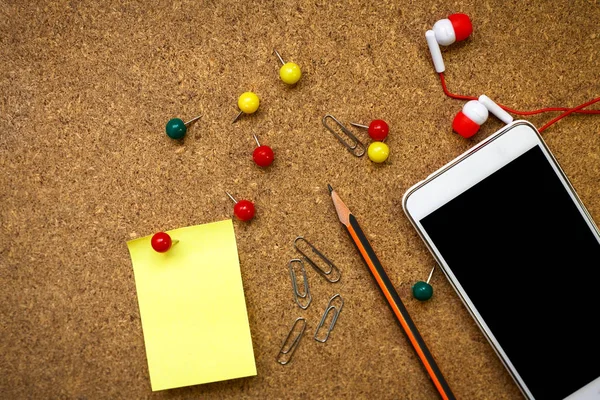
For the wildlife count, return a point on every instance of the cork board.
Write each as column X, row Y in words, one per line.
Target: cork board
column 86, row 89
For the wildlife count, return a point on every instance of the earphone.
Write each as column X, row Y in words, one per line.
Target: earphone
column 474, row 113
column 458, row 27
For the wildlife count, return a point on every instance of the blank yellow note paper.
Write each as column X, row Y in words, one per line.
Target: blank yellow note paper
column 192, row 307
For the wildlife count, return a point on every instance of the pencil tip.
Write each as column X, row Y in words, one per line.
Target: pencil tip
column 330, row 188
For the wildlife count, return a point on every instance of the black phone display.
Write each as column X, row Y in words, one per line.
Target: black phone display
column 529, row 263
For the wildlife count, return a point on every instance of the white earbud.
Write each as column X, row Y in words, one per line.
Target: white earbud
column 475, row 111
column 444, row 32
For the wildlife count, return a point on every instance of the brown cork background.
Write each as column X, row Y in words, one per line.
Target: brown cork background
column 86, row 88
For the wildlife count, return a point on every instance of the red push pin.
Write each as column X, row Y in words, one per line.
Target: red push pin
column 162, row 242
column 378, row 129
column 263, row 155
column 243, row 209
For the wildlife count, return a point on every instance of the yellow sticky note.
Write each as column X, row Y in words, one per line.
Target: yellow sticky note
column 192, row 307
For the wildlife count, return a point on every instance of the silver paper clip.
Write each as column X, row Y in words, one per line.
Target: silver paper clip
column 286, row 352
column 356, row 147
column 333, row 274
column 305, row 295
column 328, row 309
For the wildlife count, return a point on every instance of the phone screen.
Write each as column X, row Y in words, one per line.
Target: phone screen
column 530, row 264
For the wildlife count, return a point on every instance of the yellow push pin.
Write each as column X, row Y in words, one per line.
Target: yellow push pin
column 378, row 152
column 289, row 72
column 248, row 103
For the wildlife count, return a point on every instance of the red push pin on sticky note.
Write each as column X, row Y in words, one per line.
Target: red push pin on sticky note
column 162, row 242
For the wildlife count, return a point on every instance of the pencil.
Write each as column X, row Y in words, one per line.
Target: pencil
column 364, row 247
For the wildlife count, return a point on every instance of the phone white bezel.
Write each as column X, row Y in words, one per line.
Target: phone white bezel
column 464, row 172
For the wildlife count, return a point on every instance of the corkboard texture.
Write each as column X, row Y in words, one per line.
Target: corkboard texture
column 86, row 88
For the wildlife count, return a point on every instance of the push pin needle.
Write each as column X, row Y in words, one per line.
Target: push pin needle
column 192, row 120
column 232, row 198
column 279, row 56
column 237, row 117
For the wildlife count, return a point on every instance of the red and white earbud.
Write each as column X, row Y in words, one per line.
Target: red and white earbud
column 456, row 27
column 474, row 113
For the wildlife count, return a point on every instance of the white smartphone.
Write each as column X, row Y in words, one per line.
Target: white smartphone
column 513, row 238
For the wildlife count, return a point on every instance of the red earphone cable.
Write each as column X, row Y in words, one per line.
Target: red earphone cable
column 572, row 110
column 577, row 109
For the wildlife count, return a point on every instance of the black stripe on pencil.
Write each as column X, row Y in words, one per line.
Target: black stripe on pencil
column 374, row 265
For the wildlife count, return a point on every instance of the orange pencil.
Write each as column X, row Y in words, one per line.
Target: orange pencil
column 400, row 311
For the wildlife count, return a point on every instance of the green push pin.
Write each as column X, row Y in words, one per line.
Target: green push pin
column 176, row 128
column 423, row 290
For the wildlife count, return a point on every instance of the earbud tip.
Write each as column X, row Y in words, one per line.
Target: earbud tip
column 464, row 126
column 462, row 26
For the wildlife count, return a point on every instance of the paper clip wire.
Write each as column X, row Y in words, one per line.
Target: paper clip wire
column 356, row 148
column 306, row 293
column 333, row 321
column 332, row 275
column 289, row 352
